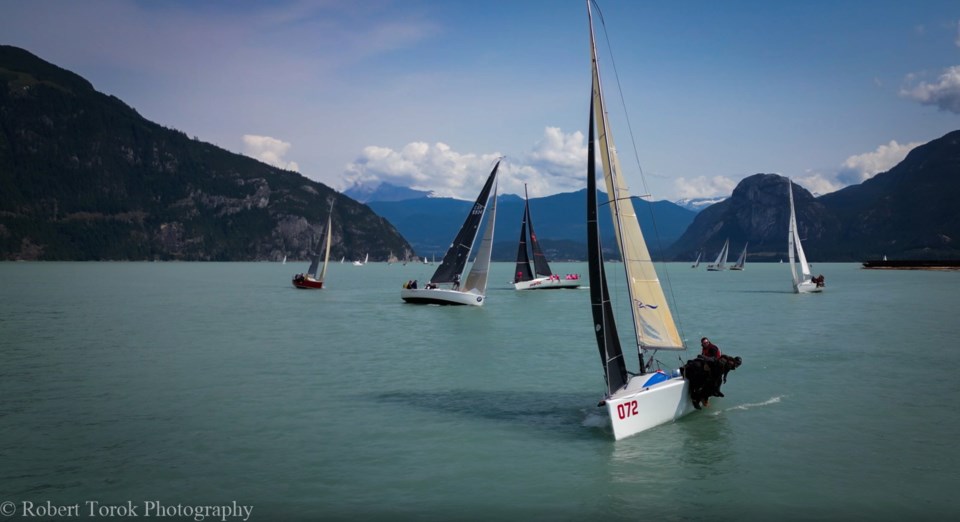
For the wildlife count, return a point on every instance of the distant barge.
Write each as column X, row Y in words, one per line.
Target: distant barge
column 914, row 264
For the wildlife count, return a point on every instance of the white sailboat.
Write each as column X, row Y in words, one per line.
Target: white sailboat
column 697, row 262
column 312, row 280
column 540, row 277
column 635, row 402
column 361, row 263
column 721, row 262
column 741, row 260
column 803, row 281
column 473, row 290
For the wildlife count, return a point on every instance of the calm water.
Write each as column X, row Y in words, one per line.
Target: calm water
column 206, row 383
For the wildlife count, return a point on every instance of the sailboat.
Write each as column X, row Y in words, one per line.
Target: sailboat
column 361, row 263
column 720, row 263
column 697, row 262
column 640, row 401
column 741, row 260
column 803, row 280
column 540, row 277
column 472, row 291
column 311, row 280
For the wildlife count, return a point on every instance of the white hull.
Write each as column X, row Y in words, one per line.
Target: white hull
column 637, row 408
column 441, row 296
column 807, row 287
column 545, row 283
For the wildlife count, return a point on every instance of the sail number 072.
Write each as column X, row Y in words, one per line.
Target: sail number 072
column 627, row 409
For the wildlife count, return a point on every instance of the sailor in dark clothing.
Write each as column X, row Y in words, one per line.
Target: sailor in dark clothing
column 709, row 349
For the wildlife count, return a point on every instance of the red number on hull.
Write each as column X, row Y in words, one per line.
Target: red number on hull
column 628, row 409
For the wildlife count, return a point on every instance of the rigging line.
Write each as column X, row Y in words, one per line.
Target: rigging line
column 643, row 179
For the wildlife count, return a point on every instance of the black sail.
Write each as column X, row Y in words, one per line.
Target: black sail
column 456, row 257
column 539, row 260
column 523, row 272
column 611, row 355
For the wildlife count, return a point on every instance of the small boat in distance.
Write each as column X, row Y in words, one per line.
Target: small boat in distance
column 803, row 280
column 741, row 260
column 311, row 280
column 697, row 262
column 540, row 277
column 471, row 291
column 720, row 263
column 361, row 263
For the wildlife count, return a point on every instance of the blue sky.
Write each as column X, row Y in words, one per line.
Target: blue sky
column 428, row 93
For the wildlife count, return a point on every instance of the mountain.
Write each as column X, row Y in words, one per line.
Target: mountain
column 84, row 177
column 908, row 212
column 559, row 220
column 758, row 212
column 383, row 192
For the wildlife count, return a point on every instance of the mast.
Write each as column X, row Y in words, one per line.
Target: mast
column 654, row 327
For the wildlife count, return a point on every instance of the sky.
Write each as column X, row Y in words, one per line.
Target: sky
column 428, row 94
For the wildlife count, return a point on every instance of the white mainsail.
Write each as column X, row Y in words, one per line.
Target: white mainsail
column 326, row 256
column 653, row 323
column 793, row 242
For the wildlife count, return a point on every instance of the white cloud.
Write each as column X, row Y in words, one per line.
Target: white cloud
column 861, row 167
column 945, row 93
column 703, row 187
column 555, row 164
column 268, row 150
column 818, row 184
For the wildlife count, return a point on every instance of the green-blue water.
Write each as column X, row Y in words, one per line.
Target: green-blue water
column 206, row 383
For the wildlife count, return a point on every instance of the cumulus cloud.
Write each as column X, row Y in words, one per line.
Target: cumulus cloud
column 554, row 164
column 861, row 167
column 268, row 150
column 818, row 184
column 704, row 187
column 944, row 93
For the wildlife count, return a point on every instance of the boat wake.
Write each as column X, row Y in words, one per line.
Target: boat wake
column 750, row 406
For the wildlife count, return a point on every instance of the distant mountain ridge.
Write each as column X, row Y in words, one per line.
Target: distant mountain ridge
column 84, row 177
column 559, row 220
column 384, row 192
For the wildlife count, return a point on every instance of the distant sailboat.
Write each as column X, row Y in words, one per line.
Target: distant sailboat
column 697, row 262
column 311, row 280
column 471, row 291
column 740, row 260
column 284, row 260
column 361, row 263
column 803, row 280
column 720, row 263
column 539, row 277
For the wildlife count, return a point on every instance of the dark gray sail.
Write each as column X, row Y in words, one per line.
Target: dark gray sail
column 523, row 272
column 456, row 257
column 539, row 260
column 611, row 355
